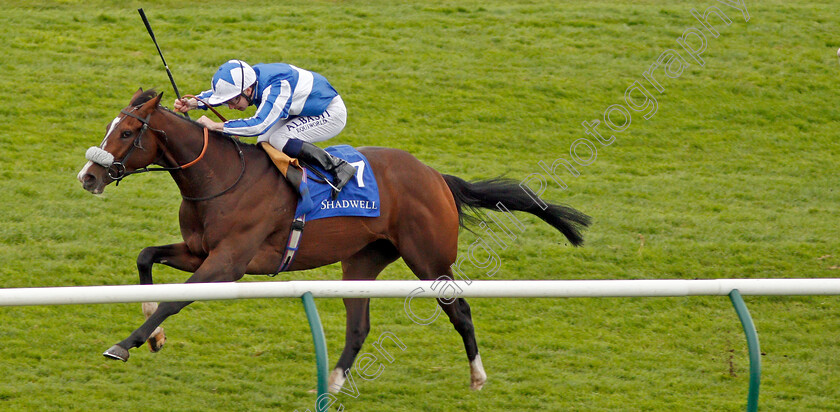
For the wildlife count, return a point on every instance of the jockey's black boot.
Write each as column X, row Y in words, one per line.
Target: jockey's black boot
column 339, row 168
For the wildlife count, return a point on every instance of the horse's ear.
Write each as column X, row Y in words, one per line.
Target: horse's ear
column 152, row 104
column 137, row 94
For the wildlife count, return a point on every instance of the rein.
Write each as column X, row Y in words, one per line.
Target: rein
column 118, row 168
column 241, row 172
column 117, row 171
column 324, row 179
column 219, row 115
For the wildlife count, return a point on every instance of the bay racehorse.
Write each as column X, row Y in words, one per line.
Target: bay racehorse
column 237, row 210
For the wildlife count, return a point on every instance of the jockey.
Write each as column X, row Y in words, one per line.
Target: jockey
column 295, row 108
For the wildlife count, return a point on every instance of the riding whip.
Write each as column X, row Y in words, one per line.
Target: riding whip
column 169, row 73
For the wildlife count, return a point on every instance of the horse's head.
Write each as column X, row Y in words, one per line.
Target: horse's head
column 129, row 144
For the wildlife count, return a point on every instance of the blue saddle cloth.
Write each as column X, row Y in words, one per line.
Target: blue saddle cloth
column 360, row 197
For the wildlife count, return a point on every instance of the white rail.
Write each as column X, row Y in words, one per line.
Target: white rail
column 404, row 288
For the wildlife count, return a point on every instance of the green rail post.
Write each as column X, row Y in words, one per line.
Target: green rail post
column 320, row 347
column 752, row 345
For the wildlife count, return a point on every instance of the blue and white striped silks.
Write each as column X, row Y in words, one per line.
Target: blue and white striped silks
column 282, row 90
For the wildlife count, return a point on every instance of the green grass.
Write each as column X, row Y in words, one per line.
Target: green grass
column 734, row 176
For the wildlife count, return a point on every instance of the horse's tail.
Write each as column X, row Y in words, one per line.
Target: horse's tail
column 489, row 193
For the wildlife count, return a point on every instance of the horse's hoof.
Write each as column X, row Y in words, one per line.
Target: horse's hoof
column 157, row 340
column 478, row 377
column 336, row 380
column 116, row 352
column 477, row 385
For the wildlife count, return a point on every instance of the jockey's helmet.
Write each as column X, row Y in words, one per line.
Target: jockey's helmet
column 231, row 80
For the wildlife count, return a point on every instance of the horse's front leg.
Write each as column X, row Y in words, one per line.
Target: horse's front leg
column 216, row 268
column 177, row 256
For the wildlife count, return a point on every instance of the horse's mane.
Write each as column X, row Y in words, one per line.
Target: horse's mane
column 152, row 93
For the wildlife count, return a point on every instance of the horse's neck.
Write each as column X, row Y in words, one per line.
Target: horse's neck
column 222, row 167
column 216, row 167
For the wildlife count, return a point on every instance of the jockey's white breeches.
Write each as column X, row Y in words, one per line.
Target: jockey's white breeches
column 308, row 128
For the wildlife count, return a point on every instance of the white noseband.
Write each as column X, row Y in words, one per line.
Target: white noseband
column 99, row 156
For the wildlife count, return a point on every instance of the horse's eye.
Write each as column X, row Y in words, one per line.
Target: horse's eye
column 126, row 134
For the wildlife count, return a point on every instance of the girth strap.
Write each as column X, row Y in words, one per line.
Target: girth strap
column 295, row 235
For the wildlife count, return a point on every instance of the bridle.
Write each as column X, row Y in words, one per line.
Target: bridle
column 117, row 171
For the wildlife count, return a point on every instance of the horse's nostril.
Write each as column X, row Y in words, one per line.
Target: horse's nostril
column 88, row 181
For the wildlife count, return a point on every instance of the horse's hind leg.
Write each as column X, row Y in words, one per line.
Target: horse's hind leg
column 477, row 374
column 461, row 318
column 177, row 256
column 364, row 265
column 428, row 264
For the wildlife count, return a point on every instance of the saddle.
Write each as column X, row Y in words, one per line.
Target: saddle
column 280, row 159
column 293, row 172
column 288, row 166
